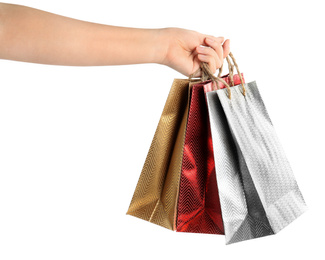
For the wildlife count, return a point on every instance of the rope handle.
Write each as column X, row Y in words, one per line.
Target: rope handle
column 238, row 72
column 206, row 74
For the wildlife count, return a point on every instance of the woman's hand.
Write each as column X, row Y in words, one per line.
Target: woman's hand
column 32, row 35
column 186, row 49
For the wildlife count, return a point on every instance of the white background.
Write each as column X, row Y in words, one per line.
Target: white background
column 73, row 140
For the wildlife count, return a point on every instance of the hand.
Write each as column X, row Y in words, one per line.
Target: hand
column 29, row 35
column 184, row 53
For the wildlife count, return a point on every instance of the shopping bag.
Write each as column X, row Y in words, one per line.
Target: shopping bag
column 258, row 192
column 155, row 196
column 198, row 209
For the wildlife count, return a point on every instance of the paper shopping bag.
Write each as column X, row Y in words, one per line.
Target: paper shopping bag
column 198, row 209
column 243, row 214
column 155, row 196
column 258, row 193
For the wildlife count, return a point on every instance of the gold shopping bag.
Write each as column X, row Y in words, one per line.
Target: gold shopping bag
column 155, row 196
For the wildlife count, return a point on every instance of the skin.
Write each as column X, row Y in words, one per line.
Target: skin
column 32, row 35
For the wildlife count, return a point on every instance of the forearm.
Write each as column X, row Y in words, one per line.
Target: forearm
column 32, row 35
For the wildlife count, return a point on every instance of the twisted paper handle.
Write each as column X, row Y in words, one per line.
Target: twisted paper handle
column 206, row 74
column 238, row 72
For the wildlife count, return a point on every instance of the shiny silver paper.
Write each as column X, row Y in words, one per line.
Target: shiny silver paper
column 258, row 192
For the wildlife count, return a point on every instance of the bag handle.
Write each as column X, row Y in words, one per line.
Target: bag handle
column 238, row 72
column 206, row 74
column 231, row 72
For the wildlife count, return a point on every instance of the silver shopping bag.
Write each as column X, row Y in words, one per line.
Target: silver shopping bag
column 258, row 192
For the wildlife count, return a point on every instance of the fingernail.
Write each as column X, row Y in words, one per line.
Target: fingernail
column 201, row 48
column 220, row 38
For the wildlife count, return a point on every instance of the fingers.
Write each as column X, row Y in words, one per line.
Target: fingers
column 214, row 52
column 208, row 55
column 226, row 48
column 216, row 44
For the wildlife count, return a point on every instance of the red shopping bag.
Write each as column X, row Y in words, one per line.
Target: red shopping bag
column 198, row 209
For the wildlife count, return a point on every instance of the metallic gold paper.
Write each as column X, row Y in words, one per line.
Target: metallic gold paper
column 155, row 196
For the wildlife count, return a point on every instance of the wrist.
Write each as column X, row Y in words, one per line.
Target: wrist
column 161, row 44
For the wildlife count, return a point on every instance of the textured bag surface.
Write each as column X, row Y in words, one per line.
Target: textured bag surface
column 258, row 192
column 155, row 196
column 198, row 209
column 242, row 212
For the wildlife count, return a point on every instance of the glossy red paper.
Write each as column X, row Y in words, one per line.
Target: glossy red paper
column 198, row 209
